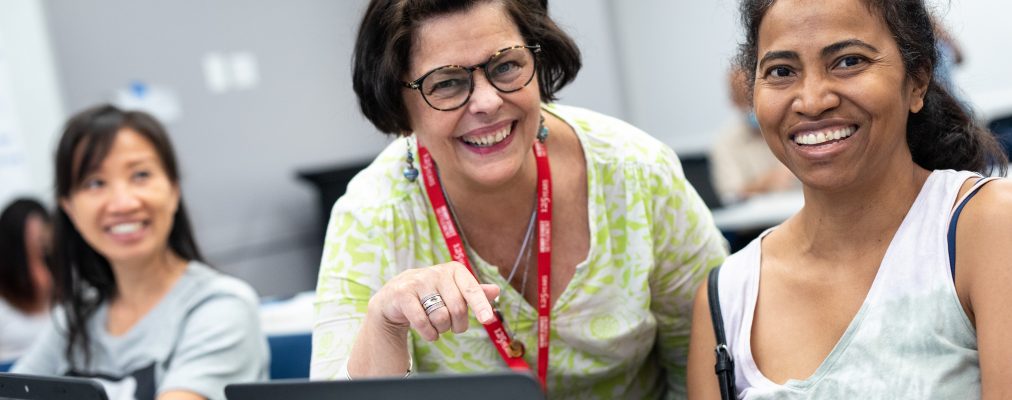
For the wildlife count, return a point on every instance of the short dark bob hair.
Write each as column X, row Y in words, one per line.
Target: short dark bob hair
column 82, row 276
column 383, row 50
column 943, row 135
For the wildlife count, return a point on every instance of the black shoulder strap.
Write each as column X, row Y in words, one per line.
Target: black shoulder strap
column 951, row 236
column 725, row 364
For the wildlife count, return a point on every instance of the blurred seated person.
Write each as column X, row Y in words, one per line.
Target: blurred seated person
column 141, row 311
column 950, row 56
column 741, row 164
column 25, row 282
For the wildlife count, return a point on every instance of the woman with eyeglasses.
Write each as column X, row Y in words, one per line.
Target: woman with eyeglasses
column 499, row 230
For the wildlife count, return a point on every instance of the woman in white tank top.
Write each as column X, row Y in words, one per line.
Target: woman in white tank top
column 865, row 292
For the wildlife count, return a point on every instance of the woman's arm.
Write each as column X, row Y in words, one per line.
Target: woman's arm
column 180, row 395
column 984, row 282
column 687, row 246
column 381, row 346
column 366, row 303
column 701, row 379
column 46, row 355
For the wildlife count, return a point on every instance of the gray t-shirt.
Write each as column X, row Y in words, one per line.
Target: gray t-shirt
column 203, row 335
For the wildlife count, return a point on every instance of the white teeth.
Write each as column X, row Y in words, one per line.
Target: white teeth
column 814, row 138
column 121, row 229
column 488, row 140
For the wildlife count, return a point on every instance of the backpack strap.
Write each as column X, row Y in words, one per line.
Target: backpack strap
column 725, row 363
column 955, row 218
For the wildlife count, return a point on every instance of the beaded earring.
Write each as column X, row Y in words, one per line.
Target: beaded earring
column 542, row 130
column 410, row 172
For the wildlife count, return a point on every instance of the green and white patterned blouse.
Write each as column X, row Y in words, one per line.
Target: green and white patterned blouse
column 621, row 327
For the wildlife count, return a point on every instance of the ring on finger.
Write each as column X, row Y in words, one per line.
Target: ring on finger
column 432, row 303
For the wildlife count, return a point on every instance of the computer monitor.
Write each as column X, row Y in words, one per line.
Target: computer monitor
column 500, row 386
column 32, row 387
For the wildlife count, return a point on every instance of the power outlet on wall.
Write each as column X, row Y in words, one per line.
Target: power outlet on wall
column 235, row 71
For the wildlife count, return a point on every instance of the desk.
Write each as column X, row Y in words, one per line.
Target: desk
column 759, row 212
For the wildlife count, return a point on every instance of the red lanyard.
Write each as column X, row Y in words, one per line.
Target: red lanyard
column 509, row 350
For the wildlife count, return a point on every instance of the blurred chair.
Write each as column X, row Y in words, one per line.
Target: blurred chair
column 1002, row 128
column 330, row 183
column 290, row 355
column 697, row 172
column 6, row 365
column 288, row 324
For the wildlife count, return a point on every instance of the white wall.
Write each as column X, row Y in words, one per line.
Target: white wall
column 599, row 85
column 33, row 91
column 675, row 56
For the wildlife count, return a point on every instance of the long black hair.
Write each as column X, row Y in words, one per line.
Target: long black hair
column 83, row 277
column 16, row 284
column 943, row 135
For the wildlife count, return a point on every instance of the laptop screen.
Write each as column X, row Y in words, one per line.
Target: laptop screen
column 501, row 386
column 31, row 387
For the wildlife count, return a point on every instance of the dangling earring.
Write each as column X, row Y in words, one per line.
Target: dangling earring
column 542, row 130
column 410, row 172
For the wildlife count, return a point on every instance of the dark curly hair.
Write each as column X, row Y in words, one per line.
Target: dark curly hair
column 943, row 135
column 383, row 48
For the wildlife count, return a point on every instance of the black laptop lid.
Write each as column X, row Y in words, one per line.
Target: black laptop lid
column 31, row 387
column 508, row 386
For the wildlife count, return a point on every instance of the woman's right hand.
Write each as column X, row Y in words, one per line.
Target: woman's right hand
column 398, row 304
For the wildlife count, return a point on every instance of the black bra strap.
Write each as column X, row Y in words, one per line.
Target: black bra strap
column 955, row 217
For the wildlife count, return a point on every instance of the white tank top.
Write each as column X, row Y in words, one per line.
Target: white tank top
column 910, row 339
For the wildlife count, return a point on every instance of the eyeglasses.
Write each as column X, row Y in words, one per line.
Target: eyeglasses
column 449, row 87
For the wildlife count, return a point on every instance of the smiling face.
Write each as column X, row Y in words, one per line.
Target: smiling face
column 486, row 143
column 831, row 92
column 124, row 209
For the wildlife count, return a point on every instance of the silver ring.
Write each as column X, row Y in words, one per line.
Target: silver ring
column 432, row 303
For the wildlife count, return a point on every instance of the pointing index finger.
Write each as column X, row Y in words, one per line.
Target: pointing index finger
column 473, row 294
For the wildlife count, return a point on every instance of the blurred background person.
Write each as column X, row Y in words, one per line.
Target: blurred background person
column 25, row 281
column 741, row 163
column 142, row 312
column 950, row 56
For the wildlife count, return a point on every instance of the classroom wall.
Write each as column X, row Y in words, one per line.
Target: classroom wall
column 675, row 57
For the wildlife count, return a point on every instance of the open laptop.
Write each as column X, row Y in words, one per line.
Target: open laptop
column 31, row 387
column 499, row 386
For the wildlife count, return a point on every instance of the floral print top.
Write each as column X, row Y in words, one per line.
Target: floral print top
column 620, row 329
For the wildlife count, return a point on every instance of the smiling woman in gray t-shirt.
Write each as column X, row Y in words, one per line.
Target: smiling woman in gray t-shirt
column 140, row 311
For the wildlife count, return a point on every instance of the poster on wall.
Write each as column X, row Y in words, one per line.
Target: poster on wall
column 13, row 160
